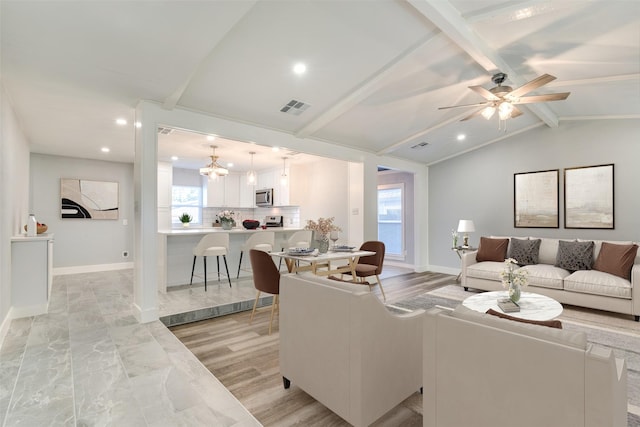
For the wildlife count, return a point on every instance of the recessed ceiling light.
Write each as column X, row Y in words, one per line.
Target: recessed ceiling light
column 275, row 149
column 210, row 137
column 299, row 68
column 105, row 149
column 121, row 122
column 174, row 158
column 461, row 137
column 138, row 125
column 229, row 165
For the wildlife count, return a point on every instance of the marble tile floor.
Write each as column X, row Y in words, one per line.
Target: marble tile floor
column 87, row 362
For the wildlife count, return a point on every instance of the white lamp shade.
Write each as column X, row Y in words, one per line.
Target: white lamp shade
column 466, row 226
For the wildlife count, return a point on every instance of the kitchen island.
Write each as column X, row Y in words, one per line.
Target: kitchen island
column 175, row 254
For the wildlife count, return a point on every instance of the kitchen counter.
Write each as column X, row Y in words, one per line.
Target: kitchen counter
column 175, row 253
column 187, row 231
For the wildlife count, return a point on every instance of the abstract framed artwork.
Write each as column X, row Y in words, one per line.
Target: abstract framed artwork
column 86, row 199
column 536, row 198
column 588, row 197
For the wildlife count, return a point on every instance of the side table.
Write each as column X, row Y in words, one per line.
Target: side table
column 460, row 250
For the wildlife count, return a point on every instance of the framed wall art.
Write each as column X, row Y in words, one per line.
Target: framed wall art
column 86, row 199
column 536, row 199
column 588, row 197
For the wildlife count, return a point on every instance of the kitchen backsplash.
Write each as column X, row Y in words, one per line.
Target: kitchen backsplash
column 290, row 214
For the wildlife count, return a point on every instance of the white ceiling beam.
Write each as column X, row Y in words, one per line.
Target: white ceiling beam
column 596, row 80
column 366, row 89
column 172, row 100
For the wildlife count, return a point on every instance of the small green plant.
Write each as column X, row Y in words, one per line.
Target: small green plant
column 185, row 218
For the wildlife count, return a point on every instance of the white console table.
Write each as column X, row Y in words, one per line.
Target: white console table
column 31, row 274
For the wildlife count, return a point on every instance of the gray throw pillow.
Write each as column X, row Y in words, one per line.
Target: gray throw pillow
column 525, row 252
column 574, row 256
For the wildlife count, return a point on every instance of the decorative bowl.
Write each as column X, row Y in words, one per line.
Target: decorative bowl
column 250, row 224
column 41, row 228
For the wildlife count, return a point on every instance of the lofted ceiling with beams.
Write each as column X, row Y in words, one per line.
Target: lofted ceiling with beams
column 377, row 71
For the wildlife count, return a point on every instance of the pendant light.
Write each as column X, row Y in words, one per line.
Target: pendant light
column 251, row 175
column 283, row 177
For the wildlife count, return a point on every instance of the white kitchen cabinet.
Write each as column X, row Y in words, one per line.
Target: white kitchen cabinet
column 272, row 179
column 31, row 274
column 247, row 193
column 215, row 192
column 232, row 190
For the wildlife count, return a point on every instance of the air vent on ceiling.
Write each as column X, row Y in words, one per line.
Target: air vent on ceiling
column 420, row 145
column 295, row 107
column 164, row 131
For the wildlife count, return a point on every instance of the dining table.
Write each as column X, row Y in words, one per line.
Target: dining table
column 320, row 263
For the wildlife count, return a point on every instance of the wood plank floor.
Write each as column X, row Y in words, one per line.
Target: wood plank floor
column 245, row 359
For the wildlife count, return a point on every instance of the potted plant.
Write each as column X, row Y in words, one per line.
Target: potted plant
column 185, row 219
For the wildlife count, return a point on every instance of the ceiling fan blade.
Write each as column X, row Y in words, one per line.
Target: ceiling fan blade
column 528, row 87
column 484, row 93
column 477, row 104
column 472, row 115
column 515, row 113
column 542, row 98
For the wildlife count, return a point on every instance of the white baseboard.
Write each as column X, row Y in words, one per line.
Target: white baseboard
column 60, row 271
column 4, row 327
column 30, row 310
column 397, row 263
column 444, row 270
column 145, row 316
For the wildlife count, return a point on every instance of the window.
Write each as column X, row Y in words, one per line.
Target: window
column 391, row 218
column 186, row 199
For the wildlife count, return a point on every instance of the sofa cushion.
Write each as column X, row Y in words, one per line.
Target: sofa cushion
column 545, row 275
column 616, row 259
column 489, row 270
column 525, row 252
column 598, row 283
column 492, row 249
column 548, row 323
column 560, row 336
column 574, row 256
column 548, row 251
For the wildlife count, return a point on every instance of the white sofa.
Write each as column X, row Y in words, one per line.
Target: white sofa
column 585, row 288
column 341, row 345
column 481, row 370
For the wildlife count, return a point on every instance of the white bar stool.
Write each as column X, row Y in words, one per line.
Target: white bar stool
column 261, row 241
column 214, row 244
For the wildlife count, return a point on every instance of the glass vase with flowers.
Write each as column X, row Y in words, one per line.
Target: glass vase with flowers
column 321, row 232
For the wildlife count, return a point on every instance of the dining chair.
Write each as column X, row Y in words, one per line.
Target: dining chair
column 214, row 244
column 259, row 240
column 370, row 265
column 266, row 278
column 299, row 239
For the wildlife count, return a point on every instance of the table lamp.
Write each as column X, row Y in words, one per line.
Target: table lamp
column 466, row 226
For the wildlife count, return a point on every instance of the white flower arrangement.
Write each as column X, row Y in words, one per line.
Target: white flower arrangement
column 513, row 274
column 227, row 216
column 323, row 227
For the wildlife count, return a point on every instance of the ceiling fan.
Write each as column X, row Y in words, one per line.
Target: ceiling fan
column 504, row 98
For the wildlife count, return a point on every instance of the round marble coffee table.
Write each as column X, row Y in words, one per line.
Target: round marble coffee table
column 532, row 306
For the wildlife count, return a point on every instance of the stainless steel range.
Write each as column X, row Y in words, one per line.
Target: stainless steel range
column 273, row 221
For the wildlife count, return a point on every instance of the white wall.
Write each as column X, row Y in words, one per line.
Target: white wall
column 479, row 184
column 14, row 196
column 82, row 244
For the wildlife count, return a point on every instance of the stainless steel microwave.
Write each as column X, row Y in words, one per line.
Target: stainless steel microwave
column 264, row 197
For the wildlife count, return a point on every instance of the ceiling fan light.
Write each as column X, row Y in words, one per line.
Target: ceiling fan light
column 488, row 112
column 504, row 110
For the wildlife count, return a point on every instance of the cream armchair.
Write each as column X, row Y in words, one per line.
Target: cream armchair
column 480, row 370
column 341, row 345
